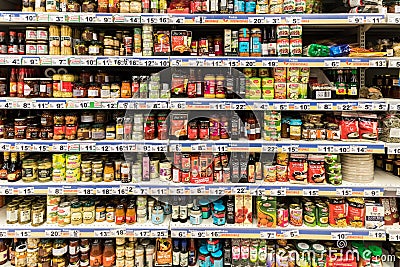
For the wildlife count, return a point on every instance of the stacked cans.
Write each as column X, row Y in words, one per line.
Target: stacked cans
column 272, row 126
column 59, row 167
column 73, row 168
column 147, row 37
column 289, row 42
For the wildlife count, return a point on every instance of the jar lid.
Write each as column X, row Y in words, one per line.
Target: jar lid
column 21, row 248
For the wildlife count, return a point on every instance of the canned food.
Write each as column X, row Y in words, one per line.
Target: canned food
column 296, row 215
column 309, row 214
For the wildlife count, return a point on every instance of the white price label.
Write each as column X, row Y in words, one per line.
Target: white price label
column 196, row 63
column 365, row 106
column 41, row 105
column 6, row 104
column 374, row 20
column 104, row 233
column 160, row 148
column 274, row 20
column 60, row 148
column 278, row 192
column 198, row 148
column 23, row 104
column 342, row 149
column 199, row 190
column 104, row 148
column 218, row 106
column 89, row 147
column 394, row 107
column 175, row 148
column 358, row 149
column 267, row 235
column 293, row 20
column 213, row 234
column 104, row 191
column 104, row 18
column 3, row 233
column 332, row 63
column 85, row 191
column 290, row 149
column 302, row 106
column 126, row 148
column 198, row 234
column 380, row 106
column 74, row 233
column 200, row 19
column 344, row 107
column 123, row 105
column 6, row 191
column 60, row 61
column 57, row 105
column 5, row 147
column 239, row 190
column 28, row 17
column 269, row 149
column 344, row 192
column 57, row 191
column 177, row 191
column 217, row 191
column 372, row 193
column 231, row 63
column 159, row 191
column 40, row 148
column 53, row 233
column 291, row 234
column 22, row 233
column 394, row 237
column 118, row 232
column 379, row 63
column 281, row 106
column 31, row 61
column 326, row 149
column 214, row 63
column 178, row 234
column 220, row 148
column 377, row 234
column 87, row 18
column 177, row 20
column 159, row 233
column 89, row 61
column 156, row 105
column 104, row 62
column 142, row 233
column 22, row 147
column 261, row 106
column 142, row 191
column 394, row 63
column 132, row 19
column 176, row 62
column 356, row 19
column 178, row 105
column 119, row 191
column 10, row 60
column 56, row 18
column 339, row 235
column 247, row 63
column 393, row 150
column 238, row 106
column 26, row 191
column 270, row 63
column 310, row 192
column 394, row 18
column 256, row 20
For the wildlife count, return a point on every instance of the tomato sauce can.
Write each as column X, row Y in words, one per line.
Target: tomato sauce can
column 296, row 215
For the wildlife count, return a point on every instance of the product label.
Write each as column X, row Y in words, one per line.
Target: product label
column 38, row 217
column 12, row 216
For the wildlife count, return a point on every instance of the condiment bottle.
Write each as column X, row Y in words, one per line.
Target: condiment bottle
column 96, row 255
column 108, row 254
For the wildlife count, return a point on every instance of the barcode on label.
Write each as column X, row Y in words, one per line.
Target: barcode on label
column 323, row 95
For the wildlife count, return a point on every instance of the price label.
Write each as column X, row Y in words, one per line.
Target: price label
column 393, row 18
column 176, row 62
column 6, row 104
column 104, row 191
column 267, row 235
column 161, row 19
column 394, row 236
column 270, row 63
column 256, row 20
column 85, row 191
column 378, row 63
column 393, row 150
column 394, row 107
column 3, row 233
column 339, row 235
column 213, row 234
column 60, row 148
column 332, row 63
column 41, row 105
column 373, row 20
column 104, row 62
column 344, row 107
column 142, row 191
column 118, row 232
column 156, row 105
column 199, row 190
column 74, row 233
column 23, row 104
column 358, row 149
column 365, row 106
column 40, row 148
column 87, row 18
column 7, row 191
column 28, row 17
column 291, row 234
column 247, row 63
column 290, row 149
column 278, row 192
column 238, row 106
column 293, row 20
column 159, row 191
column 217, row 191
column 125, row 148
column 393, row 63
column 61, row 61
column 57, row 105
column 123, row 105
column 344, row 192
column 199, row 19
column 89, row 61
column 269, row 149
column 198, row 148
column 281, row 106
column 196, row 63
column 178, row 234
column 177, row 20
column 104, row 148
column 177, row 191
column 326, row 149
column 178, row 105
column 142, row 233
column 302, row 106
column 372, row 193
column 132, row 19
column 5, row 147
column 258, row 192
column 104, row 233
column 261, row 105
column 342, row 149
column 159, row 233
column 89, row 147
column 26, row 191
column 56, row 18
column 10, row 60
column 239, row 190
column 31, row 61
column 198, row 234
column 119, row 191
column 22, row 147
column 377, row 234
column 104, row 19
column 53, row 233
column 214, row 63
column 22, row 233
column 231, row 63
column 380, row 106
column 310, row 192
column 56, row 191
column 219, row 148
column 218, row 106
column 356, row 19
column 175, row 147
column 274, row 20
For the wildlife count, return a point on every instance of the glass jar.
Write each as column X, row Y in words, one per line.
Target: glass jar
column 88, row 212
column 20, row 256
column 19, row 128
column 46, row 133
column 255, row 42
column 218, row 216
column 124, row 6
column 9, row 131
column 332, row 132
column 87, row 34
column 126, row 91
column 80, row 48
column 76, row 213
column 46, row 87
column 79, row 90
column 100, row 214
column 295, row 129
column 45, row 247
column 113, row 6
column 87, row 117
column 24, row 213
column 46, row 118
column 38, row 214
column 73, row 6
column 29, row 170
column 110, row 132
column 70, row 131
column 98, row 132
column 115, row 90
column 12, row 212
column 84, row 132
column 44, row 170
column 44, row 261
column 32, row 131
column 94, row 90
column 59, row 132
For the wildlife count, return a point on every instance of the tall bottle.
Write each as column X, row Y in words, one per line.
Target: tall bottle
column 12, row 43
column 21, row 83
column 14, row 173
column 272, row 42
column 146, row 167
column 184, row 254
column 251, row 128
column 21, row 44
column 264, row 44
column 5, row 166
column 230, row 85
column 13, row 82
column 243, row 168
column 340, row 85
column 175, row 210
column 192, row 261
column 96, row 254
column 258, row 167
column 227, row 249
column 235, row 167
column 108, row 254
column 230, row 210
column 352, row 91
column 11, row 251
column 235, row 126
column 251, row 169
column 183, row 210
column 176, row 254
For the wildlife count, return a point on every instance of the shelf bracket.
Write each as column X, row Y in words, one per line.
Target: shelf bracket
column 362, row 29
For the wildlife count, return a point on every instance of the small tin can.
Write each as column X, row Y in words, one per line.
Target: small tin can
column 296, row 215
column 282, row 216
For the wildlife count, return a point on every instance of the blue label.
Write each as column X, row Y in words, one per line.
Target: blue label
column 250, row 7
column 239, row 6
column 255, row 45
column 218, row 262
column 244, row 47
column 157, row 218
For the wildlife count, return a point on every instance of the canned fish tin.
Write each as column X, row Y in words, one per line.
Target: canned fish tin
column 282, row 216
column 296, row 215
column 309, row 214
column 322, row 214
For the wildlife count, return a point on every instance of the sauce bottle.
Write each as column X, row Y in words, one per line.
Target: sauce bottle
column 251, row 128
column 108, row 254
column 96, row 254
column 13, row 83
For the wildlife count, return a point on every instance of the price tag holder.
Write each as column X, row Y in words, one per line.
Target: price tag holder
column 53, row 233
column 40, row 105
column 310, row 192
column 104, row 191
column 293, row 20
column 159, row 191
column 267, row 235
column 394, row 237
column 377, row 234
column 22, row 147
column 74, row 233
column 220, row 148
column 175, row 148
column 6, row 104
column 290, row 149
column 56, row 18
column 270, row 63
column 269, row 149
column 31, row 61
column 85, row 191
column 198, row 234
column 274, row 20
column 239, row 190
column 231, row 63
column 394, row 107
column 178, row 234
column 219, row 191
column 365, row 106
column 176, row 62
column 374, row 20
column 104, row 233
column 372, row 193
column 159, row 234
column 118, row 232
column 89, row 147
column 291, row 234
column 104, row 62
column 356, row 19
column 377, row 63
column 278, row 192
column 60, row 61
column 196, row 63
column 23, row 104
column 213, row 234
column 5, row 147
column 200, row 20
column 344, row 107
column 326, row 149
column 256, row 20
column 344, row 192
column 142, row 233
column 332, row 63
column 238, row 106
column 104, row 18
column 22, row 233
column 218, row 106
column 87, row 18
column 40, row 148
column 358, row 149
column 394, row 63
column 177, row 20
column 342, row 149
column 26, row 191
column 247, row 63
column 394, row 18
column 393, row 150
column 31, row 17
column 198, row 148
column 131, row 19
column 142, row 191
column 339, row 235
column 6, row 191
column 59, row 147
column 199, row 190
column 119, row 191
column 3, row 233
column 302, row 106
column 281, row 106
column 105, row 148
column 56, row 191
column 380, row 106
column 177, row 191
column 57, row 105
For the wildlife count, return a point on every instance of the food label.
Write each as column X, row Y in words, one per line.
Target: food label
column 395, row 132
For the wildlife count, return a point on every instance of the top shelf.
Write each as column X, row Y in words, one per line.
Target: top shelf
column 7, row 17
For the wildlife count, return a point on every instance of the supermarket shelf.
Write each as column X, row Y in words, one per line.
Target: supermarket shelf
column 384, row 185
column 97, row 229
column 208, row 230
column 288, row 146
column 160, row 61
column 201, row 19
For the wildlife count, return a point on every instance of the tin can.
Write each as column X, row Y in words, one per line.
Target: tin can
column 283, row 47
column 296, row 47
column 322, row 214
column 165, row 171
column 64, row 214
column 282, row 216
column 296, row 215
column 128, row 45
column 309, row 215
column 154, row 168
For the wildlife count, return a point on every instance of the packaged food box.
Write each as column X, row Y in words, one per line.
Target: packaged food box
column 248, row 209
column 374, row 213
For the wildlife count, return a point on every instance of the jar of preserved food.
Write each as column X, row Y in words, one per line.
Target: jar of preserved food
column 108, row 50
column 12, row 212
column 71, row 131
column 32, row 131
column 46, row 133
column 57, row 85
column 44, row 261
column 32, row 256
column 59, row 261
column 46, row 87
column 255, row 42
column 74, row 261
column 73, row 247
column 108, row 175
column 244, row 42
column 115, row 90
column 42, row 48
column 84, row 132
column 46, row 119
column 38, row 214
column 45, row 247
column 97, row 171
column 79, row 90
column 88, row 212
column 76, row 213
column 113, row 6
column 87, row 117
column 98, row 132
column 295, row 129
column 44, row 170
column 71, row 118
column 162, row 128
column 87, row 34
column 100, row 214
column 110, row 213
column 59, row 132
column 73, row 6
column 80, row 48
column 67, row 84
column 105, row 90
column 24, row 213
column 59, row 118
column 124, row 6
column 9, row 131
column 19, row 128
column 94, row 90
column 100, row 117
column 332, row 132
column 31, row 48
column 110, row 132
column 102, row 6
column 29, row 170
column 20, row 256
column 120, row 214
